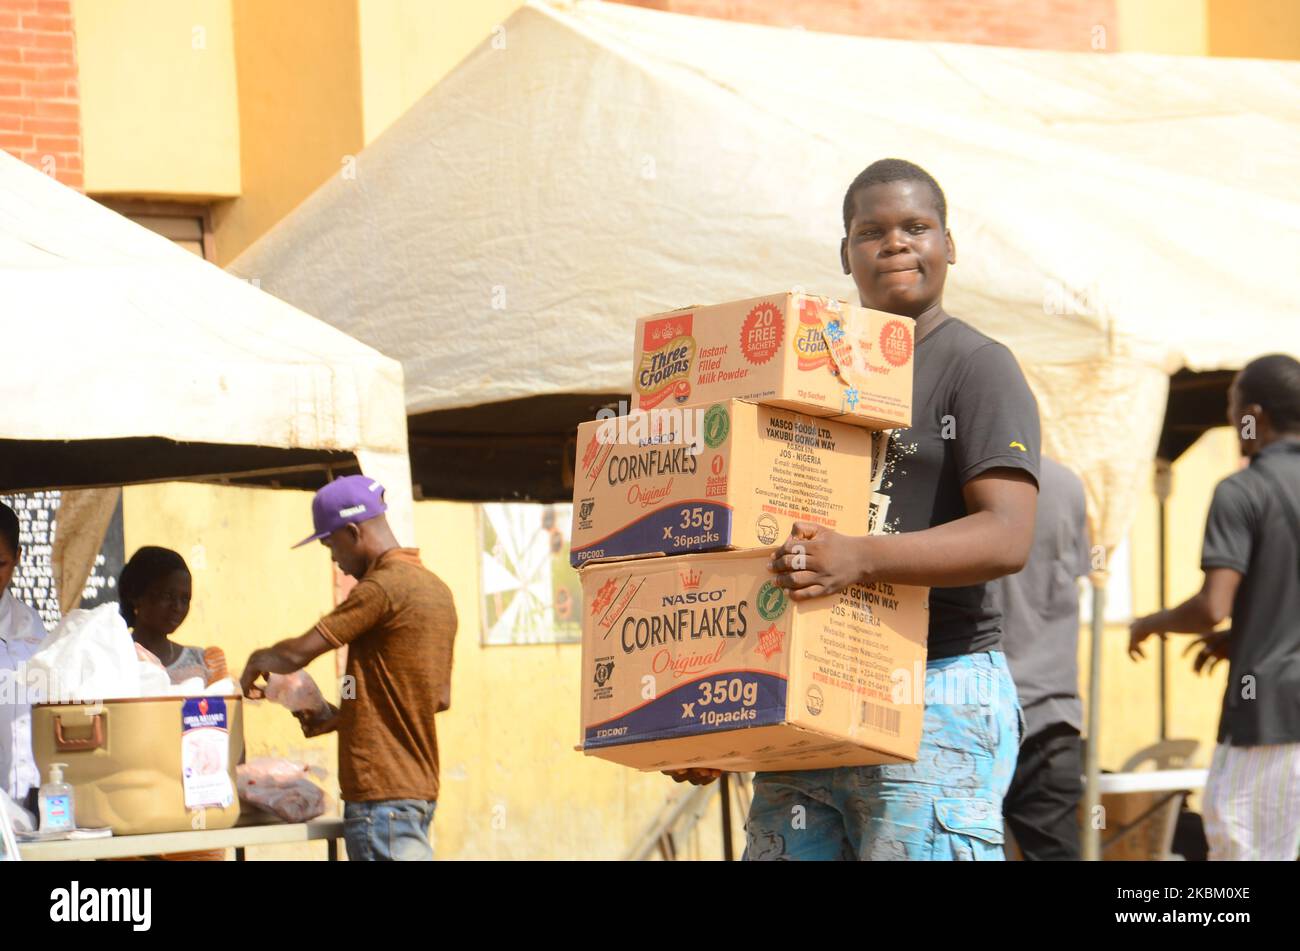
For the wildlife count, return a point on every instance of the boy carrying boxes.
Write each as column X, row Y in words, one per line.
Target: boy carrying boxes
column 961, row 482
column 700, row 660
column 963, row 486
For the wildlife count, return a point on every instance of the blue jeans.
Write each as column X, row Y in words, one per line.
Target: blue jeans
column 388, row 830
column 946, row 805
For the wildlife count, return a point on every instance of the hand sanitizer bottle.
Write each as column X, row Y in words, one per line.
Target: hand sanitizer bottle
column 58, row 811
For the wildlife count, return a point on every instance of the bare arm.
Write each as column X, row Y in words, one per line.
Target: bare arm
column 288, row 655
column 992, row 540
column 1199, row 614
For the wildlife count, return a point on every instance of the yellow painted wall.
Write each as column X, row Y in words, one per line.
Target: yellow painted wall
column 250, row 590
column 512, row 785
column 158, row 109
column 1176, row 27
column 408, row 45
column 298, row 64
column 317, row 79
column 1252, row 28
column 1257, row 28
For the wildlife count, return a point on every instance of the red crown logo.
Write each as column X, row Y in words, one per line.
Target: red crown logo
column 690, row 578
column 604, row 596
column 589, row 454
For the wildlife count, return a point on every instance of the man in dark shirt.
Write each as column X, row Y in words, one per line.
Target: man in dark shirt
column 959, row 488
column 1040, row 633
column 1251, row 560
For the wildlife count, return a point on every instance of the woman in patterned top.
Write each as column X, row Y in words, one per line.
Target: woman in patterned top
column 155, row 589
column 154, row 593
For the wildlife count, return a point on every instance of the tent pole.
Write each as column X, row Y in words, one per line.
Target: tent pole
column 724, row 799
column 1164, row 644
column 1164, row 483
column 1091, row 790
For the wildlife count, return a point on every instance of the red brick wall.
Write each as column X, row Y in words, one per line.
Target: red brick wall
column 1038, row 24
column 40, row 110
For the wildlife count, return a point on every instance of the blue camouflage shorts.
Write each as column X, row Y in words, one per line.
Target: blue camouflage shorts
column 946, row 805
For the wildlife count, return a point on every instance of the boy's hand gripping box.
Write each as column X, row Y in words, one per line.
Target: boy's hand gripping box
column 697, row 478
column 816, row 356
column 702, row 661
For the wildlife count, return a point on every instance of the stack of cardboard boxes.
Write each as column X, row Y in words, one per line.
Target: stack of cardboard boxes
column 746, row 417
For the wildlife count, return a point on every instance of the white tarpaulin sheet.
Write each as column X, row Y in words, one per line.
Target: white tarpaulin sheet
column 112, row 331
column 1116, row 217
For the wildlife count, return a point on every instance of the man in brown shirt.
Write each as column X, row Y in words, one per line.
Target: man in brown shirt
column 398, row 625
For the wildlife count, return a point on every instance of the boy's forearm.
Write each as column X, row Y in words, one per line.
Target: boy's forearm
column 969, row 550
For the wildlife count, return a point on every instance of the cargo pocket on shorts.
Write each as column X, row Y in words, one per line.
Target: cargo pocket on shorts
column 969, row 830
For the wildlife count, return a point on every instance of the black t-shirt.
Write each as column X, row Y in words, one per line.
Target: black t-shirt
column 1250, row 531
column 971, row 411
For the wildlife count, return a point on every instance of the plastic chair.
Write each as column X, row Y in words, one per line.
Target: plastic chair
column 1167, row 754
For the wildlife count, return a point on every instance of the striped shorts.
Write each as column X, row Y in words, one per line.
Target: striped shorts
column 1252, row 803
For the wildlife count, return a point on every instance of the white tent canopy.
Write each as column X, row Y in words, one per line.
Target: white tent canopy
column 1117, row 217
column 112, row 333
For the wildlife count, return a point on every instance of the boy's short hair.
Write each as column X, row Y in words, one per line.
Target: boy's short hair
column 9, row 527
column 894, row 170
column 1274, row 383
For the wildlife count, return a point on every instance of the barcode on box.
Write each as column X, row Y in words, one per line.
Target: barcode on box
column 881, row 718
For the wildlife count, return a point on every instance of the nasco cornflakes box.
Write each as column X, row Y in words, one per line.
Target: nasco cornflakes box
column 813, row 355
column 732, row 474
column 701, row 660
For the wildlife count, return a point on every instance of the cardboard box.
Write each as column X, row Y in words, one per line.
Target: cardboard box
column 700, row 660
column 816, row 356
column 728, row 475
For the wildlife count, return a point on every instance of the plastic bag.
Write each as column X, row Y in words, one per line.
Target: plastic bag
column 90, row 656
column 154, row 680
column 280, row 787
column 189, row 687
column 297, row 691
column 221, row 688
column 17, row 818
column 13, row 818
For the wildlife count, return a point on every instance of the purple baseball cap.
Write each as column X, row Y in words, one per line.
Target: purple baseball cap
column 345, row 501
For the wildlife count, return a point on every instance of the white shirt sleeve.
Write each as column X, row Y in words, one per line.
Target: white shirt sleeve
column 21, row 637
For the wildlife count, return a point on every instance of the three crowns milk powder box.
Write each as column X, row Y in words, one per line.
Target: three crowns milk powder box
column 816, row 356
